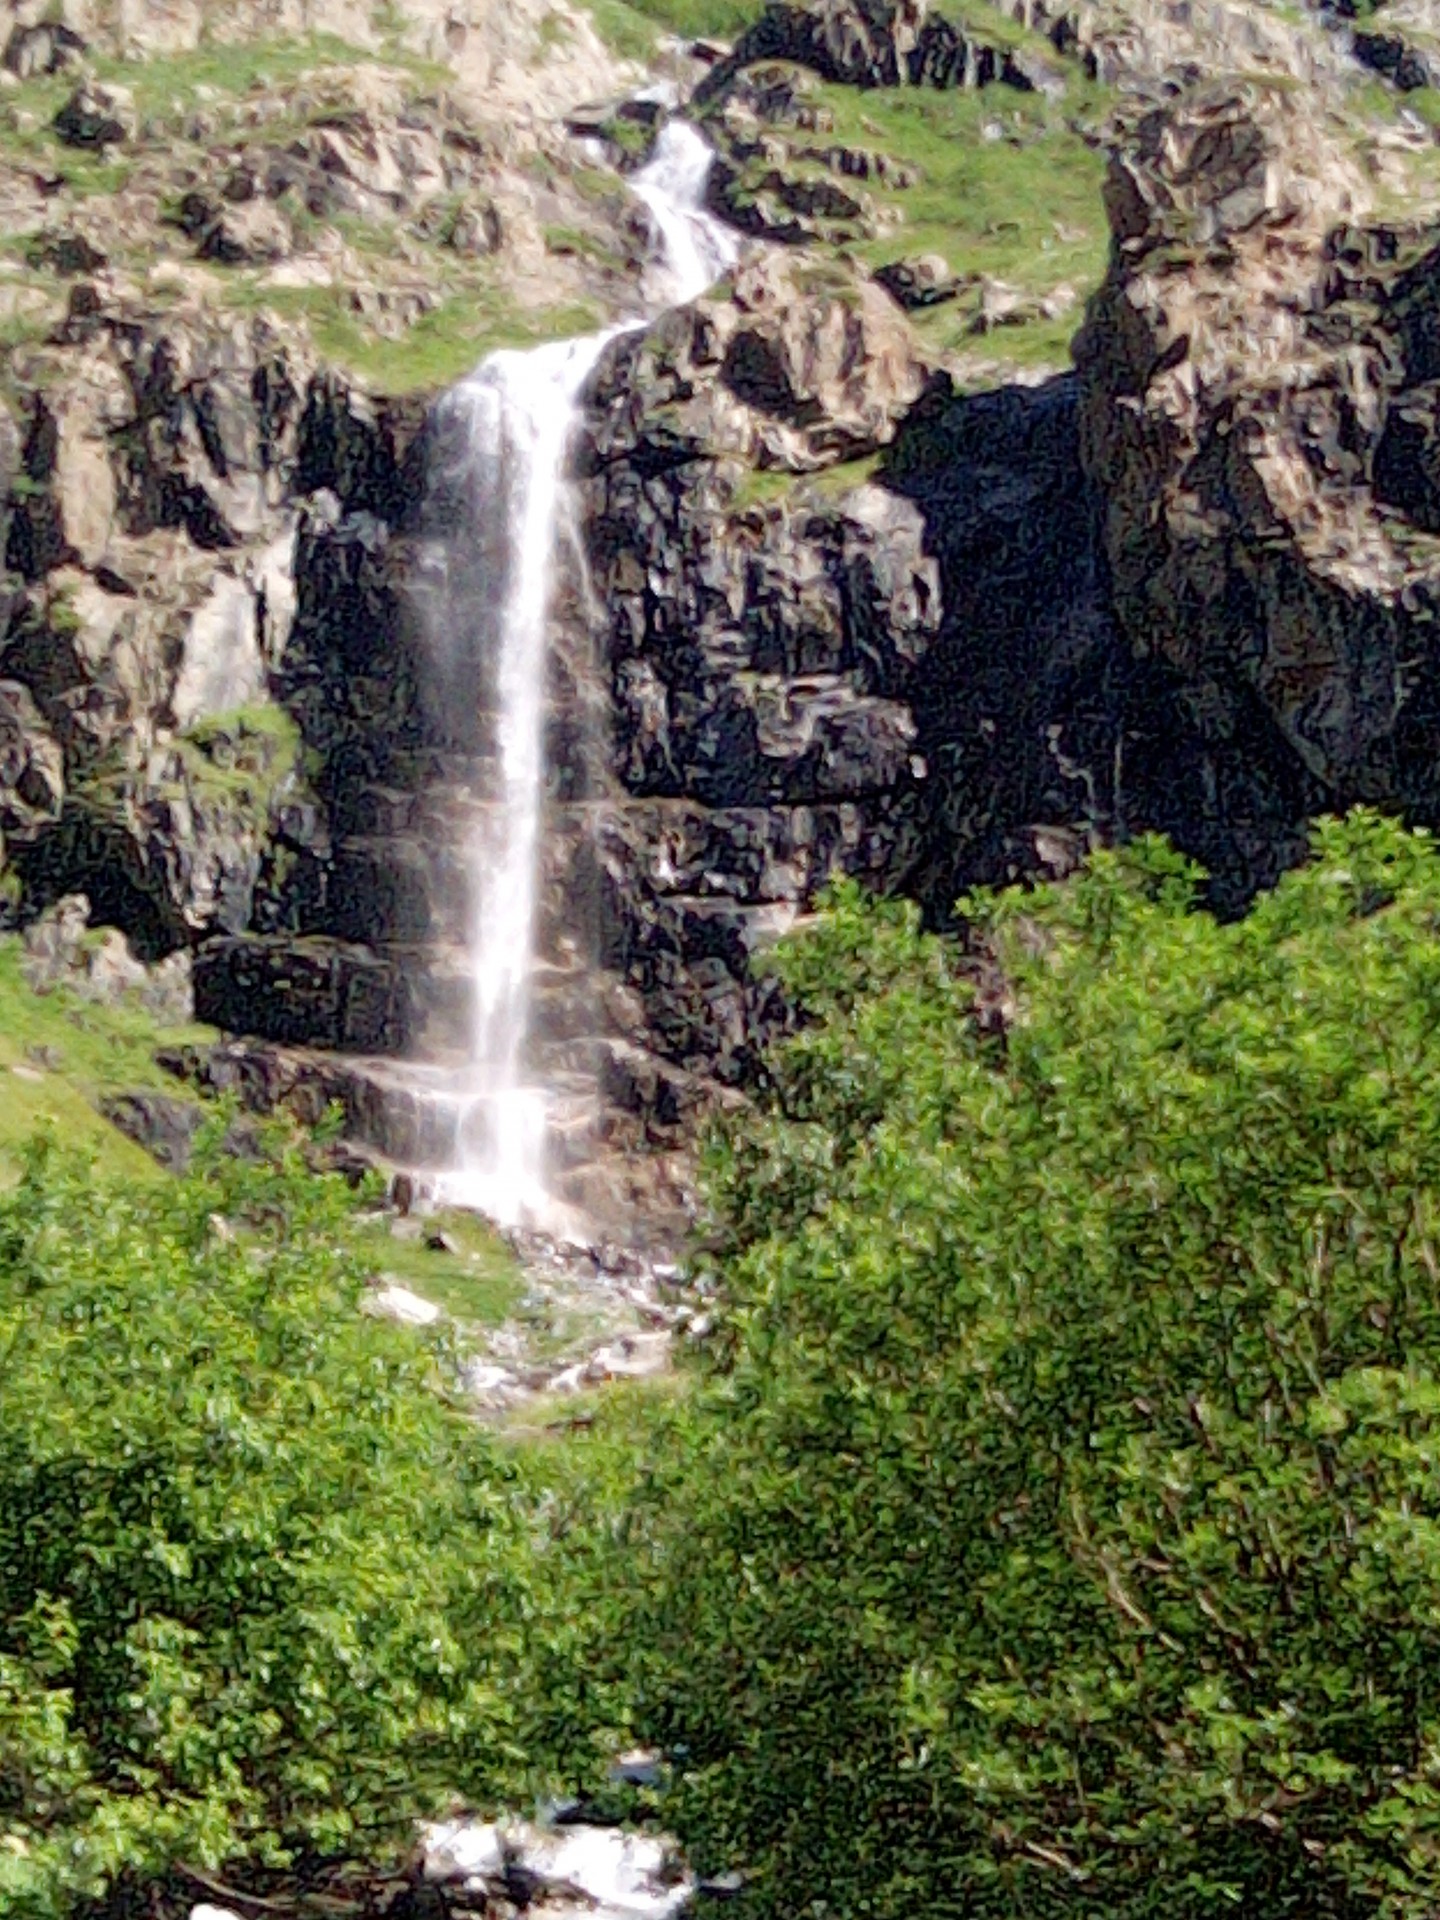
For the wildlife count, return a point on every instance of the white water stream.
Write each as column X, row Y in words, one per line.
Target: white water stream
column 519, row 411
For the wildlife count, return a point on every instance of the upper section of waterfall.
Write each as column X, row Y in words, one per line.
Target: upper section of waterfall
column 696, row 249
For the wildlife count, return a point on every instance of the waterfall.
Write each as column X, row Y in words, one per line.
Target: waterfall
column 516, row 414
column 695, row 249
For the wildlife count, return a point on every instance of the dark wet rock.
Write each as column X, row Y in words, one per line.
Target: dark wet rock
column 97, row 116
column 924, row 281
column 1407, row 67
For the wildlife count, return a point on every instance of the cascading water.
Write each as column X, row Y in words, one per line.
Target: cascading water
column 695, row 250
column 516, row 413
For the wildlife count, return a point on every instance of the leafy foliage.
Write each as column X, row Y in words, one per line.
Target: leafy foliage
column 259, row 1589
column 1056, row 1529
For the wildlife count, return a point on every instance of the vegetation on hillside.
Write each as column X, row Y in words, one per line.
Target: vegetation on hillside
column 259, row 1589
column 1047, row 1529
column 1053, row 1530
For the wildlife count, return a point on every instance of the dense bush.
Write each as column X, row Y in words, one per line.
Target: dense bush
column 1058, row 1529
column 259, row 1591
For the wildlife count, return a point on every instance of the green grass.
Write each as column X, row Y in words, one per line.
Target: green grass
column 632, row 27
column 80, row 1050
column 162, row 86
column 553, row 1417
column 1029, row 215
column 431, row 354
column 759, row 489
column 242, row 756
column 480, row 1282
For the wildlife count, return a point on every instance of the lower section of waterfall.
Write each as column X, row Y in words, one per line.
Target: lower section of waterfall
column 516, row 414
column 514, row 418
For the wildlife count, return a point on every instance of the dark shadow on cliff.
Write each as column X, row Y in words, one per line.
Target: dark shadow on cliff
column 1041, row 729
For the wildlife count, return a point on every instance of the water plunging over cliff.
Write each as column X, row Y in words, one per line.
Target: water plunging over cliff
column 516, row 414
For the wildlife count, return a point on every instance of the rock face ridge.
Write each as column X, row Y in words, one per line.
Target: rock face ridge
column 1278, row 354
column 846, row 605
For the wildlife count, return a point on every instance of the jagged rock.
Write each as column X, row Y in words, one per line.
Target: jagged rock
column 1239, row 377
column 373, row 166
column 1392, row 56
column 863, row 43
column 68, row 510
column 66, row 251
column 786, row 204
column 475, row 228
column 945, row 54
column 221, row 667
column 32, row 768
column 1407, row 458
column 97, row 116
column 795, row 369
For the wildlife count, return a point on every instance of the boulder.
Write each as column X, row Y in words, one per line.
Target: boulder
column 164, row 1124
column 97, row 116
column 1407, row 457
column 34, row 51
column 254, row 234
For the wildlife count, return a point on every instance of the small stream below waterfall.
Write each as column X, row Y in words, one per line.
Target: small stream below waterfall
column 516, row 417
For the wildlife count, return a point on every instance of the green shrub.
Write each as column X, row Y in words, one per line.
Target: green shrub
column 1056, row 1529
column 259, row 1589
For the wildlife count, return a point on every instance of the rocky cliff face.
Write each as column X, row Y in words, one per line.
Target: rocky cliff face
column 875, row 579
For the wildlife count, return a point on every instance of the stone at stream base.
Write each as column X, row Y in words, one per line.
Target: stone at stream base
column 603, row 1871
column 627, row 1169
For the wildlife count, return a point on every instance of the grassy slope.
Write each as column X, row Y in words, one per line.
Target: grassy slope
column 79, row 1050
column 1028, row 213
column 479, row 1281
